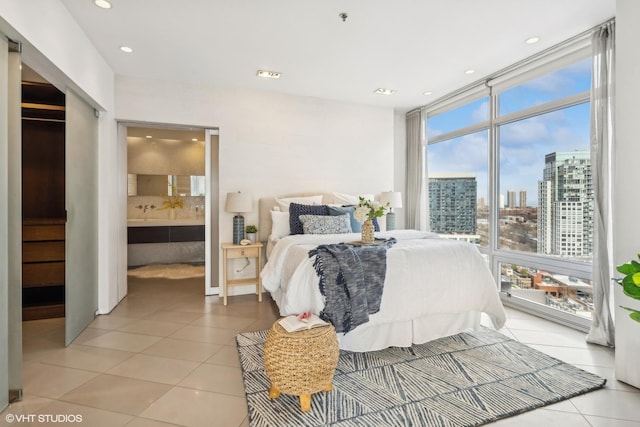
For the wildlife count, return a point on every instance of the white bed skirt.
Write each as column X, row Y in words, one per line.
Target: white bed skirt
column 371, row 337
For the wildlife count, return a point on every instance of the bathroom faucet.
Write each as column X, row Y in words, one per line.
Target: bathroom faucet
column 145, row 207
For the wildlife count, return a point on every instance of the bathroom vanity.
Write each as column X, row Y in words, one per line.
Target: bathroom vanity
column 165, row 241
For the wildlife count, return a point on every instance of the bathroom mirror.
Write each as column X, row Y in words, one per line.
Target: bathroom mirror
column 161, row 185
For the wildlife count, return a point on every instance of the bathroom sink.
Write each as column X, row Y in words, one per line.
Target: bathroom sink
column 159, row 222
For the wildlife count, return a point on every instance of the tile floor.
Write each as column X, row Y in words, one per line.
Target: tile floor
column 166, row 356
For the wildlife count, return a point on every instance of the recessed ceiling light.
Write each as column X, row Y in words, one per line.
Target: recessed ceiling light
column 470, row 71
column 194, row 139
column 126, row 49
column 103, row 4
column 532, row 40
column 427, row 93
column 149, row 137
column 268, row 74
column 384, row 91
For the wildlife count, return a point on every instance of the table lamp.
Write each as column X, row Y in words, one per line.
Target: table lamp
column 238, row 203
column 394, row 198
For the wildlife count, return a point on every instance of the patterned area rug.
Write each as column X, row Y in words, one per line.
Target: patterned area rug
column 467, row 379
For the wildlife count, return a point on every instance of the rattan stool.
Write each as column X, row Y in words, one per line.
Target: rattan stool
column 301, row 363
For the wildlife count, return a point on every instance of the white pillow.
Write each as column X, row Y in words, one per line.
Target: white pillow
column 279, row 225
column 348, row 199
column 308, row 200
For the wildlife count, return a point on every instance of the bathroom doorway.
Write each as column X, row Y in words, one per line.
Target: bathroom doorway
column 171, row 203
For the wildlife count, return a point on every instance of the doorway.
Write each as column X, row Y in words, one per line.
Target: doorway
column 171, row 175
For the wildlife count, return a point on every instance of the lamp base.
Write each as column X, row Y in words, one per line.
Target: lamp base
column 238, row 229
column 391, row 221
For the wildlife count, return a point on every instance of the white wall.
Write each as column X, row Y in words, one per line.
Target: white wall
column 626, row 238
column 269, row 144
column 273, row 144
column 53, row 45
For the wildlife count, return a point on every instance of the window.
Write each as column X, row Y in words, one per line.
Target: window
column 511, row 172
column 571, row 80
column 457, row 176
column 546, row 159
column 461, row 117
column 544, row 288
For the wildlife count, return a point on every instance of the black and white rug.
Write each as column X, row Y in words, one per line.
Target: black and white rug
column 467, row 379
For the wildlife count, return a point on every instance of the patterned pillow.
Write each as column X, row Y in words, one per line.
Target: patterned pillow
column 356, row 226
column 295, row 210
column 321, row 224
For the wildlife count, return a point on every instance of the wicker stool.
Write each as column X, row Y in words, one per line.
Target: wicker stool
column 301, row 363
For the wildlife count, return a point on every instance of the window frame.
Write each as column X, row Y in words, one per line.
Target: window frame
column 492, row 252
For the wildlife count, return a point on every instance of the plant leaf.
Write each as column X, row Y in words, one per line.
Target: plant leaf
column 631, row 290
column 625, row 269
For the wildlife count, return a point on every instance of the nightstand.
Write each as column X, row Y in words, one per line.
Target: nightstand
column 231, row 251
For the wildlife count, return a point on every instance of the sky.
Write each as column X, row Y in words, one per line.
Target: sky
column 523, row 144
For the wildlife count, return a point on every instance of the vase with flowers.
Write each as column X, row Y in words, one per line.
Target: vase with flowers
column 173, row 202
column 365, row 212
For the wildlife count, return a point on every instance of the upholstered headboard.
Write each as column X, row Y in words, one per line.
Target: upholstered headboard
column 266, row 204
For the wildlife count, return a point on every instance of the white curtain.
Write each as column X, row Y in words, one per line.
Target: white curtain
column 602, row 139
column 417, row 213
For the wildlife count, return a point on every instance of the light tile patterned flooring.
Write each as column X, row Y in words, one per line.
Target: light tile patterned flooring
column 166, row 356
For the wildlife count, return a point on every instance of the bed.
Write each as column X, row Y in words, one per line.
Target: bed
column 434, row 287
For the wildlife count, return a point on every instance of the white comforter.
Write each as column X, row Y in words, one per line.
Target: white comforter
column 426, row 275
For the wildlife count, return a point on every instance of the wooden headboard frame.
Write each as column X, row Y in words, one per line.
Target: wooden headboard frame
column 266, row 204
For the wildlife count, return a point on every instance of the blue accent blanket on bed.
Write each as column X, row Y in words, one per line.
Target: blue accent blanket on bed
column 351, row 280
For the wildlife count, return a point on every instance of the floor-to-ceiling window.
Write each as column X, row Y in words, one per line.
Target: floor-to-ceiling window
column 509, row 169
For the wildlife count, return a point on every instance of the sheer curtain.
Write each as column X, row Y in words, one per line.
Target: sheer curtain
column 417, row 215
column 602, row 137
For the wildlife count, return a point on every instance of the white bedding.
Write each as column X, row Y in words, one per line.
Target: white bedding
column 431, row 282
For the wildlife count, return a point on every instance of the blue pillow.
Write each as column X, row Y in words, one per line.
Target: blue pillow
column 356, row 226
column 295, row 210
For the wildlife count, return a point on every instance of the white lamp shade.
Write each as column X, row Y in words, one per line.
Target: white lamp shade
column 238, row 203
column 394, row 198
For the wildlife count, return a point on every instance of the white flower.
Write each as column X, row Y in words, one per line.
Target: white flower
column 361, row 213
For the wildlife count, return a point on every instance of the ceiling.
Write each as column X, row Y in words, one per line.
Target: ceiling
column 410, row 46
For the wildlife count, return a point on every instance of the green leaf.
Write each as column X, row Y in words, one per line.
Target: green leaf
column 631, row 290
column 626, row 269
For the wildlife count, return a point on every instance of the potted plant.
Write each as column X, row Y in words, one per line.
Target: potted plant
column 251, row 231
column 630, row 284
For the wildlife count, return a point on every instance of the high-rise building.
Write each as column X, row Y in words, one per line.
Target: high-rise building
column 565, row 205
column 511, row 199
column 452, row 203
column 523, row 199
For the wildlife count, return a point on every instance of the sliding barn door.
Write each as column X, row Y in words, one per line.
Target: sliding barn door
column 81, row 176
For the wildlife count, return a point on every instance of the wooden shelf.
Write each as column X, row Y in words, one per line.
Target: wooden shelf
column 42, row 311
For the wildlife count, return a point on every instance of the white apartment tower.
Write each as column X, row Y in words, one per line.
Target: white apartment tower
column 565, row 205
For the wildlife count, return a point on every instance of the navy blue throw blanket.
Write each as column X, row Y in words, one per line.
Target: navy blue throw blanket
column 351, row 280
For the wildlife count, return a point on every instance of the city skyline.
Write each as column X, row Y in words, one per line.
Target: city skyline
column 523, row 144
